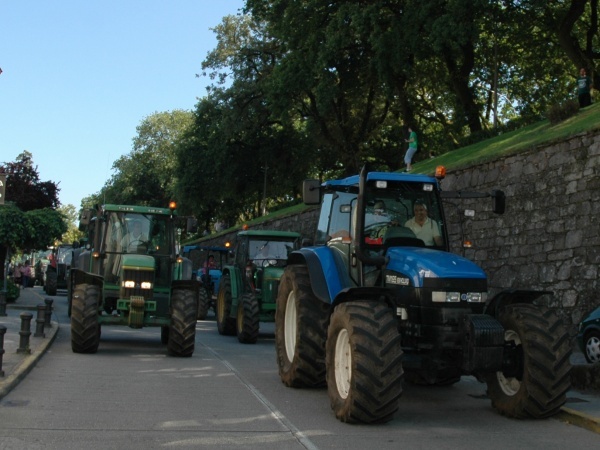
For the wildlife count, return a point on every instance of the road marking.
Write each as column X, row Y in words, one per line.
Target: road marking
column 275, row 413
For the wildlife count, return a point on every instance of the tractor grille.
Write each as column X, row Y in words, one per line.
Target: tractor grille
column 137, row 277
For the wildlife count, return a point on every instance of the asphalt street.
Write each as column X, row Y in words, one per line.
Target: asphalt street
column 24, row 348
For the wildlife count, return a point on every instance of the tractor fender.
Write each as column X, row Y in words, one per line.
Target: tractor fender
column 188, row 285
column 82, row 277
column 512, row 296
column 327, row 271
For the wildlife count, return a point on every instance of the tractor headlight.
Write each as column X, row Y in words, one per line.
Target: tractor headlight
column 129, row 284
column 445, row 297
column 146, row 285
column 454, row 297
column 476, row 297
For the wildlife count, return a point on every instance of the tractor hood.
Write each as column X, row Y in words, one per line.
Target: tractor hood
column 138, row 262
column 420, row 263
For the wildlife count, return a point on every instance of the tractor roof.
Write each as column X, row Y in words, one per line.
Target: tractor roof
column 189, row 248
column 139, row 209
column 387, row 176
column 270, row 234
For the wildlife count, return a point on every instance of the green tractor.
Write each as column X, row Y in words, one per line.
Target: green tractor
column 248, row 288
column 130, row 274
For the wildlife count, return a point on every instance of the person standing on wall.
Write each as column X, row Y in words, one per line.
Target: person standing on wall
column 584, row 86
column 411, row 150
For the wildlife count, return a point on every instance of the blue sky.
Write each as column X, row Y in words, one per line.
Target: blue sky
column 80, row 75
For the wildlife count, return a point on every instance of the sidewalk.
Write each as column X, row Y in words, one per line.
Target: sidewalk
column 17, row 365
column 581, row 409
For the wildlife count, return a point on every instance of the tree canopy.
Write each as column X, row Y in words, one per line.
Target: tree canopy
column 306, row 88
column 29, row 220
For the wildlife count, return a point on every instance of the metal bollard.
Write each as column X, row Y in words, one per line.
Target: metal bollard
column 2, row 332
column 25, row 332
column 3, row 303
column 40, row 321
column 48, row 302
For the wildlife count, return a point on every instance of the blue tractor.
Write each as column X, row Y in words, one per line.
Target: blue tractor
column 207, row 264
column 378, row 299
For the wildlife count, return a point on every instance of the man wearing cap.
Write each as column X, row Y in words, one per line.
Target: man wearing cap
column 424, row 228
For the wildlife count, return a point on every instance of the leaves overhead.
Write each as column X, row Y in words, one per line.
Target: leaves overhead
column 317, row 89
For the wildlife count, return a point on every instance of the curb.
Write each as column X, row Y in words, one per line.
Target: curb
column 28, row 363
column 578, row 418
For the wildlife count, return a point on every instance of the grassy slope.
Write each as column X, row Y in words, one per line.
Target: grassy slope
column 514, row 142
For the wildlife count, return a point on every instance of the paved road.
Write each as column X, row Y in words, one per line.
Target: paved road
column 228, row 395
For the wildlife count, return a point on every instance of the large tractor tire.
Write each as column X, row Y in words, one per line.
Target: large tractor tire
column 202, row 303
column 364, row 362
column 51, row 283
column 300, row 330
column 247, row 323
column 225, row 324
column 85, row 329
column 182, row 330
column 537, row 384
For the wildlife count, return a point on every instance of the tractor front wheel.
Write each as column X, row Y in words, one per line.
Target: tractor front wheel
column 225, row 324
column 364, row 362
column 85, row 329
column 300, row 330
column 182, row 330
column 202, row 303
column 247, row 320
column 51, row 283
column 536, row 383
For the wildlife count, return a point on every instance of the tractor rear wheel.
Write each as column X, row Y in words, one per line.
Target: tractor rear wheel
column 225, row 324
column 364, row 362
column 182, row 330
column 202, row 303
column 247, row 320
column 51, row 283
column 85, row 329
column 537, row 383
column 300, row 330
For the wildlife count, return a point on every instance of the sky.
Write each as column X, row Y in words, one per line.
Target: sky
column 78, row 77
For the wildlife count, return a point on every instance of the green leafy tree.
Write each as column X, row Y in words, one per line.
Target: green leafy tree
column 71, row 216
column 147, row 175
column 237, row 146
column 29, row 220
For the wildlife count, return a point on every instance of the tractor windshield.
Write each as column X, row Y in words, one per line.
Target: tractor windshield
column 137, row 233
column 262, row 250
column 403, row 214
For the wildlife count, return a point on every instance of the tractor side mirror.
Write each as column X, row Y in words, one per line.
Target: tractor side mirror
column 311, row 192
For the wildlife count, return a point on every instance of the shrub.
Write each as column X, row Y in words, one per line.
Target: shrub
column 12, row 291
column 562, row 111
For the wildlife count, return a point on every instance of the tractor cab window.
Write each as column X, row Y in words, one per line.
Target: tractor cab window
column 336, row 216
column 403, row 214
column 270, row 252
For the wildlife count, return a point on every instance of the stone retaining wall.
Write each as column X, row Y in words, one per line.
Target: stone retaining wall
column 548, row 238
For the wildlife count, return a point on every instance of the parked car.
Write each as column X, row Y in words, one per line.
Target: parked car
column 588, row 337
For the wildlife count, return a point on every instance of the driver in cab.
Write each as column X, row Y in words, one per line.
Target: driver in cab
column 263, row 256
column 135, row 239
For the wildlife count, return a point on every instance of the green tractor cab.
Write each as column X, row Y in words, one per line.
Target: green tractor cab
column 248, row 289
